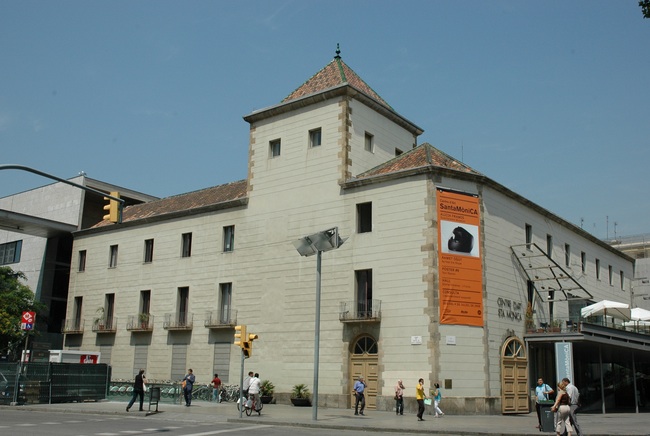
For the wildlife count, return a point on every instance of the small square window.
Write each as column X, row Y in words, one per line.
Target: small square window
column 398, row 152
column 369, row 144
column 274, row 148
column 315, row 138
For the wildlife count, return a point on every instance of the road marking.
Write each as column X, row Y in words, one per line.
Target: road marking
column 207, row 433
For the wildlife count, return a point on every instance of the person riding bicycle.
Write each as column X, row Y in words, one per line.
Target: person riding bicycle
column 254, row 391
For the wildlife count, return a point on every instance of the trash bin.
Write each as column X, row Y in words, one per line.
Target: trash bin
column 547, row 416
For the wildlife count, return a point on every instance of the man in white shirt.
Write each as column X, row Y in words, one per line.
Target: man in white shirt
column 574, row 394
column 247, row 383
column 254, row 390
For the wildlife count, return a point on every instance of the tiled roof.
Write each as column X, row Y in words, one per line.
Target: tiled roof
column 334, row 74
column 184, row 202
column 421, row 156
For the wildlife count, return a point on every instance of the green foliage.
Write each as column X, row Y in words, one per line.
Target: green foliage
column 267, row 388
column 15, row 298
column 300, row 391
column 645, row 8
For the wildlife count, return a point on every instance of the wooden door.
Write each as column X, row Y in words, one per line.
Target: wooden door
column 364, row 362
column 514, row 377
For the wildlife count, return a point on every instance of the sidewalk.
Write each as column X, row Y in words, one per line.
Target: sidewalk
column 286, row 415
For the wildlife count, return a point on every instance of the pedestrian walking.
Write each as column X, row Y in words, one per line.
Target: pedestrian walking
column 437, row 398
column 138, row 390
column 574, row 404
column 216, row 388
column 189, row 380
column 360, row 399
column 399, row 398
column 419, row 397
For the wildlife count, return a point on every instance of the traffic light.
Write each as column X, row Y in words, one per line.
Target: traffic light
column 248, row 345
column 240, row 335
column 113, row 208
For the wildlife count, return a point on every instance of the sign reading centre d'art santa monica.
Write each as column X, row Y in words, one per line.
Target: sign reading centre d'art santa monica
column 460, row 269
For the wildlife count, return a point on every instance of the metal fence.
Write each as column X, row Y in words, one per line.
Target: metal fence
column 53, row 382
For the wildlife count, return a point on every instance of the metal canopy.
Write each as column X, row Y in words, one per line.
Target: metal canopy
column 34, row 226
column 547, row 276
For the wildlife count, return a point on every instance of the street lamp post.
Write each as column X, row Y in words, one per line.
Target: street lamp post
column 308, row 246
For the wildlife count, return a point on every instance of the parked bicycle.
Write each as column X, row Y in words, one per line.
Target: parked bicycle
column 229, row 392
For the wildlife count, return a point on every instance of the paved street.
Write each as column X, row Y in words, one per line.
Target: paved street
column 206, row 418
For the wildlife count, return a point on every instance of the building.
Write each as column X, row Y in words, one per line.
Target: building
column 433, row 279
column 36, row 238
column 637, row 247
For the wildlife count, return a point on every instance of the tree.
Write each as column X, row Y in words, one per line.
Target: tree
column 645, row 8
column 15, row 298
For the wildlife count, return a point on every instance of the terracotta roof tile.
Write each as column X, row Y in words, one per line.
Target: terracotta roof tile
column 184, row 202
column 421, row 156
column 334, row 74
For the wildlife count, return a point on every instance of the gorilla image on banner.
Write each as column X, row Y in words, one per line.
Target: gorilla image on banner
column 459, row 238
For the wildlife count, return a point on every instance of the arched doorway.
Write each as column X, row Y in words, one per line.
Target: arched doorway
column 514, row 377
column 364, row 362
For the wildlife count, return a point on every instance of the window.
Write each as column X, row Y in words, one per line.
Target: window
column 82, row 260
column 398, row 152
column 109, row 311
column 369, row 144
column 622, row 280
column 145, row 302
column 112, row 260
column 315, row 138
column 597, row 269
column 364, row 292
column 10, row 253
column 274, row 148
column 148, row 250
column 364, row 217
column 186, row 245
column 583, row 260
column 228, row 238
column 225, row 300
column 529, row 235
column 76, row 321
column 549, row 246
column 567, row 254
column 183, row 306
column 611, row 278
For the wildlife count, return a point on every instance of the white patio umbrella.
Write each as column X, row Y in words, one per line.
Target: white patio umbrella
column 639, row 314
column 608, row 308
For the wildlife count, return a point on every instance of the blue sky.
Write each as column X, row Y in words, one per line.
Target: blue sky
column 547, row 98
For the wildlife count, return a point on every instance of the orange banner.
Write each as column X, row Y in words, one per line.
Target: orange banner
column 460, row 269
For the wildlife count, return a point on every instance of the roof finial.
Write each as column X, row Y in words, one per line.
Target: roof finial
column 338, row 52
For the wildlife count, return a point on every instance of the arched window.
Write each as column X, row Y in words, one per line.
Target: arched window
column 365, row 345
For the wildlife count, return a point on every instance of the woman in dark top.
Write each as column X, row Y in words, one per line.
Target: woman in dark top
column 138, row 389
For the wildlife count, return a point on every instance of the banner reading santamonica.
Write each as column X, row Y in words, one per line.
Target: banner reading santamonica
column 460, row 269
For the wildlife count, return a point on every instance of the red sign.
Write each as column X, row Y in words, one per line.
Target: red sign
column 27, row 321
column 88, row 358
